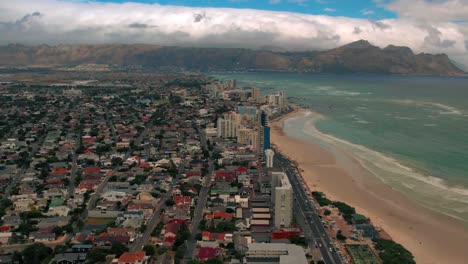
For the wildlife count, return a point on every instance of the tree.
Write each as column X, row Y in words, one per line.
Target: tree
column 150, row 251
column 57, row 230
column 169, row 202
column 96, row 255
column 340, row 236
column 60, row 249
column 327, row 212
column 392, row 253
column 35, row 253
column 118, row 249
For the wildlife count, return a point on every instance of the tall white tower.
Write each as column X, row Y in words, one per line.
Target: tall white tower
column 269, row 155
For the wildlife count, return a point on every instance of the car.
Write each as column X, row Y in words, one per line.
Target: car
column 331, row 249
column 323, row 234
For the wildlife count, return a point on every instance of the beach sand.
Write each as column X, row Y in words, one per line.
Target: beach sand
column 430, row 236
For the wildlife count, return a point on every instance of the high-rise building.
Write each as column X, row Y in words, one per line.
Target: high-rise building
column 282, row 197
column 269, row 155
column 255, row 93
column 264, row 134
column 266, row 138
column 228, row 125
column 248, row 137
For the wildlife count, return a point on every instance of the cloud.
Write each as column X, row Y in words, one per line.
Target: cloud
column 357, row 30
column 430, row 10
column 379, row 24
column 367, row 12
column 78, row 22
column 137, row 25
column 434, row 39
column 329, row 9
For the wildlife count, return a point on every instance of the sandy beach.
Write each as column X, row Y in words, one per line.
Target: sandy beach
column 430, row 236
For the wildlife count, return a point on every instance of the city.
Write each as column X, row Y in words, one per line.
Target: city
column 160, row 168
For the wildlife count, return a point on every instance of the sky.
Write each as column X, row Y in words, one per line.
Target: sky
column 432, row 26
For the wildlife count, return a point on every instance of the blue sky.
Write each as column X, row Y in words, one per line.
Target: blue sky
column 347, row 8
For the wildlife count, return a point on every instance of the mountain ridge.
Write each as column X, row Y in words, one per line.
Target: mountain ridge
column 356, row 57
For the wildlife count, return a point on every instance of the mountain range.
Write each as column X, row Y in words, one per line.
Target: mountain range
column 356, row 57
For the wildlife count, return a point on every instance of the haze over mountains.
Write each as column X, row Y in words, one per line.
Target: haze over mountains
column 356, row 57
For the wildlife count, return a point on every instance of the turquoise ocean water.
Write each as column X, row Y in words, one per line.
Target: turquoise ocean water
column 411, row 132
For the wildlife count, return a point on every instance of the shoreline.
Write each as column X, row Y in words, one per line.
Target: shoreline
column 431, row 237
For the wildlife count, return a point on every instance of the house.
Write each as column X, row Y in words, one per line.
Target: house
column 206, row 253
column 182, row 200
column 218, row 237
column 70, row 258
column 119, row 231
column 170, row 232
column 41, row 237
column 81, row 248
column 138, row 257
column 219, row 215
column 5, row 238
column 106, row 240
column 224, row 176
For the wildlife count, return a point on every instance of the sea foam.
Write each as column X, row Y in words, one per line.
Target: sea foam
column 426, row 189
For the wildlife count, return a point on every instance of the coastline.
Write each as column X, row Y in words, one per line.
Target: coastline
column 430, row 236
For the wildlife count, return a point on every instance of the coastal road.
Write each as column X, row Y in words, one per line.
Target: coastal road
column 314, row 230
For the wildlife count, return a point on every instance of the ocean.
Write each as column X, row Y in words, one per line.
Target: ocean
column 411, row 132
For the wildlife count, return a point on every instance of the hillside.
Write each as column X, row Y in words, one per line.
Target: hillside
column 356, row 57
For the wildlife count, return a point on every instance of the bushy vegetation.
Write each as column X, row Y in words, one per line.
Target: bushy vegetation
column 393, row 253
column 321, row 199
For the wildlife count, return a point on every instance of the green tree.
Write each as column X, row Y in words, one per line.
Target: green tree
column 392, row 253
column 118, row 249
column 150, row 251
column 57, row 230
column 35, row 253
column 96, row 255
column 169, row 202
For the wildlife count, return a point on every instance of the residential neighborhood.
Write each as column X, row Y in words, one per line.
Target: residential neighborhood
column 163, row 168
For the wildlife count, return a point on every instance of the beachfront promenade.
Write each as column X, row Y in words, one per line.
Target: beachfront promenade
column 313, row 229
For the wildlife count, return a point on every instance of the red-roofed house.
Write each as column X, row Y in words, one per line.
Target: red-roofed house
column 60, row 171
column 170, row 232
column 218, row 237
column 90, row 170
column 4, row 229
column 138, row 257
column 241, row 170
column 224, row 176
column 219, row 215
column 182, row 200
column 206, row 253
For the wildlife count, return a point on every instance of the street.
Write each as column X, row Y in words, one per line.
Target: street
column 313, row 229
column 202, row 199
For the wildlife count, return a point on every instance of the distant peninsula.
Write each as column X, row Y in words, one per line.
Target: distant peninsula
column 356, row 57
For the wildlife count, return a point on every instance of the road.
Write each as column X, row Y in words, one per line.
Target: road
column 141, row 240
column 201, row 203
column 97, row 194
column 20, row 173
column 314, row 231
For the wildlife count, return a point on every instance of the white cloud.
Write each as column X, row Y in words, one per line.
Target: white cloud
column 430, row 10
column 367, row 12
column 329, row 9
column 61, row 22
